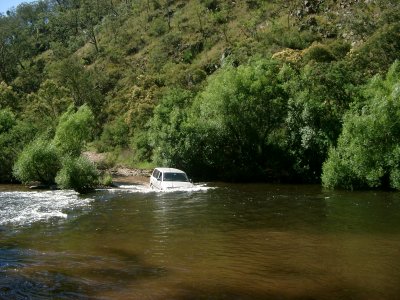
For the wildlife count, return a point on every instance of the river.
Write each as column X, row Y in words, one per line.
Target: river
column 217, row 241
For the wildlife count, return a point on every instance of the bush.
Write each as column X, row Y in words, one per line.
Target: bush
column 289, row 37
column 8, row 98
column 7, row 157
column 79, row 174
column 158, row 27
column 245, row 109
column 338, row 173
column 231, row 130
column 47, row 104
column 39, row 161
column 368, row 147
column 7, row 120
column 106, row 179
column 166, row 135
column 339, row 48
column 319, row 96
column 115, row 134
column 378, row 52
column 14, row 134
column 318, row 53
column 74, row 130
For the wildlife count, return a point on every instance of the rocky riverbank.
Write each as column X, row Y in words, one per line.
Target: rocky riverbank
column 121, row 174
column 130, row 176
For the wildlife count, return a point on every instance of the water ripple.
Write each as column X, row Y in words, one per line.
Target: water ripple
column 24, row 208
column 146, row 189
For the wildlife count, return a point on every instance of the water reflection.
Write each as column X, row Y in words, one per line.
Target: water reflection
column 228, row 242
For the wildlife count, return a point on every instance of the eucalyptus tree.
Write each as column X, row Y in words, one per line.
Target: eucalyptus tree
column 91, row 15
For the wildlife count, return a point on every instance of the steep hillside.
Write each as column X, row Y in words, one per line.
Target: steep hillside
column 123, row 58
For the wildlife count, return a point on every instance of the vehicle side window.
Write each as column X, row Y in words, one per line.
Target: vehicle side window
column 156, row 173
column 159, row 175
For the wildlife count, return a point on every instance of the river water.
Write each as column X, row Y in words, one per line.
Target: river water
column 217, row 241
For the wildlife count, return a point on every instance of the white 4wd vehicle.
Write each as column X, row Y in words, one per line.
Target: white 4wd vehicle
column 169, row 178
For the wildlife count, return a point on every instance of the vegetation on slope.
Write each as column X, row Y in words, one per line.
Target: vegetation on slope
column 233, row 90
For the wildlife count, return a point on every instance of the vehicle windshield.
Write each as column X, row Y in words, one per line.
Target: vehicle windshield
column 175, row 177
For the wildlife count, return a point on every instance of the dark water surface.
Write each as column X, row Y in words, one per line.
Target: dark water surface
column 216, row 242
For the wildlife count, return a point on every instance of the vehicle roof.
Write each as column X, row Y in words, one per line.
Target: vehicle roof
column 170, row 170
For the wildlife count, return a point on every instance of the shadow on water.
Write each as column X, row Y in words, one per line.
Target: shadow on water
column 27, row 274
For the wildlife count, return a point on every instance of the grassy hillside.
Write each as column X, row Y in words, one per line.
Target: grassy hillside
column 145, row 64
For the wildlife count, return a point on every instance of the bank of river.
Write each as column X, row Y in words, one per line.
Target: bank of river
column 218, row 241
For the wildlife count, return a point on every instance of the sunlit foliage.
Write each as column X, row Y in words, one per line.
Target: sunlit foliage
column 368, row 150
column 78, row 173
column 75, row 128
column 192, row 83
column 38, row 162
column 14, row 135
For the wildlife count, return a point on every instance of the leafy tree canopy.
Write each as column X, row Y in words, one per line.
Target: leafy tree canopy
column 367, row 154
column 249, row 90
column 74, row 129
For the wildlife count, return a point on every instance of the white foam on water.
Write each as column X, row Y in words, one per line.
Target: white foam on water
column 22, row 208
column 147, row 189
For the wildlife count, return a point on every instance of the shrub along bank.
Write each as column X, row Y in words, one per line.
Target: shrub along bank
column 58, row 159
column 230, row 90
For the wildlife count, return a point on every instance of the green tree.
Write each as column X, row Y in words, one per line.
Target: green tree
column 91, row 13
column 7, row 144
column 115, row 134
column 39, row 161
column 71, row 74
column 46, row 106
column 245, row 109
column 233, row 129
column 78, row 173
column 319, row 96
column 9, row 56
column 377, row 54
column 64, row 24
column 166, row 134
column 74, row 129
column 7, row 120
column 14, row 135
column 368, row 151
column 8, row 98
column 33, row 24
